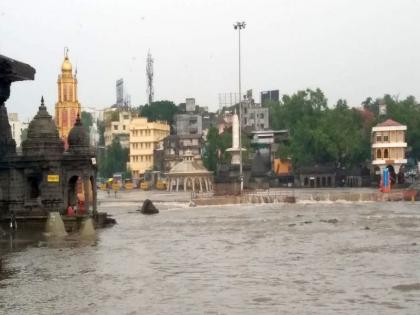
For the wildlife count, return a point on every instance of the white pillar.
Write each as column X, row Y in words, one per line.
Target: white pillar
column 235, row 131
column 206, row 182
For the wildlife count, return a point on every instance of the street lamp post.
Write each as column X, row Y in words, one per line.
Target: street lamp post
column 239, row 26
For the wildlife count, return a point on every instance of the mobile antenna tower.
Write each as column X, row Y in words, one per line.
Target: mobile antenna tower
column 149, row 75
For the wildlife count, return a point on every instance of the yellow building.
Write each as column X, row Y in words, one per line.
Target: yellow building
column 67, row 107
column 117, row 123
column 388, row 147
column 144, row 138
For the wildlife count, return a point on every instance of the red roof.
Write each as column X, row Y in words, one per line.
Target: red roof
column 389, row 123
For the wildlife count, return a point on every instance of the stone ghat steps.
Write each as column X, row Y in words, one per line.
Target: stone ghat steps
column 72, row 224
column 258, row 198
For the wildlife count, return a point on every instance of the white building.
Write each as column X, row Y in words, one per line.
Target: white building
column 388, row 147
column 17, row 127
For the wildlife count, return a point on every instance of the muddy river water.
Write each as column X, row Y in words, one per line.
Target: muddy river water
column 315, row 258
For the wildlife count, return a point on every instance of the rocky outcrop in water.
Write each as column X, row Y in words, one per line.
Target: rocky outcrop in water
column 148, row 207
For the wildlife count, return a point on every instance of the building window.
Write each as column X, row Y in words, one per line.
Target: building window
column 378, row 138
column 378, row 154
column 386, row 154
column 123, row 127
column 115, row 127
column 262, row 115
column 386, row 139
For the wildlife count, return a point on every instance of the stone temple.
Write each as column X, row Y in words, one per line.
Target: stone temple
column 45, row 177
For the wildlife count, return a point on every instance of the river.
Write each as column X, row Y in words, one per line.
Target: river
column 239, row 259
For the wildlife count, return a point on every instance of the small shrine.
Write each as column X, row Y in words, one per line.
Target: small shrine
column 190, row 175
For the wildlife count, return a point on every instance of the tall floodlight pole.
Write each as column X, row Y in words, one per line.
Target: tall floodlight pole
column 149, row 76
column 239, row 26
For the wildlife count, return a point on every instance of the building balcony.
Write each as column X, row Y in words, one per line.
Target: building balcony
column 389, row 161
column 389, row 145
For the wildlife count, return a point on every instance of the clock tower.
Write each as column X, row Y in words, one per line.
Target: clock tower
column 67, row 107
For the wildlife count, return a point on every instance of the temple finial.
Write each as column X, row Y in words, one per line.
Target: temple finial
column 42, row 100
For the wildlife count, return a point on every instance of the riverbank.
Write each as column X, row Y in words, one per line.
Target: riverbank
column 261, row 196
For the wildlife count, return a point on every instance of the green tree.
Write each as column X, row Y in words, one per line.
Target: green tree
column 215, row 148
column 160, row 110
column 87, row 120
column 210, row 149
column 115, row 160
column 319, row 134
column 406, row 112
column 101, row 131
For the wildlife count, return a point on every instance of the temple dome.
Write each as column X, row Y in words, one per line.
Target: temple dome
column 189, row 166
column 43, row 137
column 78, row 138
column 66, row 66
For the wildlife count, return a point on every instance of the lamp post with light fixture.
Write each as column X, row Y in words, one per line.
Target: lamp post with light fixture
column 239, row 26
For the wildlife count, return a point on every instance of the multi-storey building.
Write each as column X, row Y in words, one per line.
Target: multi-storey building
column 67, row 107
column 388, row 147
column 175, row 147
column 254, row 116
column 145, row 137
column 188, row 124
column 117, row 125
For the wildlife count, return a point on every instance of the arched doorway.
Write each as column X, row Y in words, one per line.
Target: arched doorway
column 34, row 186
column 376, row 175
column 392, row 174
column 72, row 191
column 34, row 190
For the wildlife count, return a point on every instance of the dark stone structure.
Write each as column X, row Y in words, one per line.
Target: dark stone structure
column 260, row 171
column 148, row 207
column 44, row 178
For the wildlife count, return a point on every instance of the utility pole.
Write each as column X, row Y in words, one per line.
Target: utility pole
column 149, row 75
column 239, row 26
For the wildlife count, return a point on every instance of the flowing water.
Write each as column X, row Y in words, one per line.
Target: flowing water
column 315, row 258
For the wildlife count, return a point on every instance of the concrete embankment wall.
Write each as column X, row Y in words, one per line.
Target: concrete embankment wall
column 336, row 196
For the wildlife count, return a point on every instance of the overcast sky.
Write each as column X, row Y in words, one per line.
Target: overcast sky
column 349, row 48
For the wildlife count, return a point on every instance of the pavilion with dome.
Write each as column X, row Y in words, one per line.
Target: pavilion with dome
column 190, row 175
